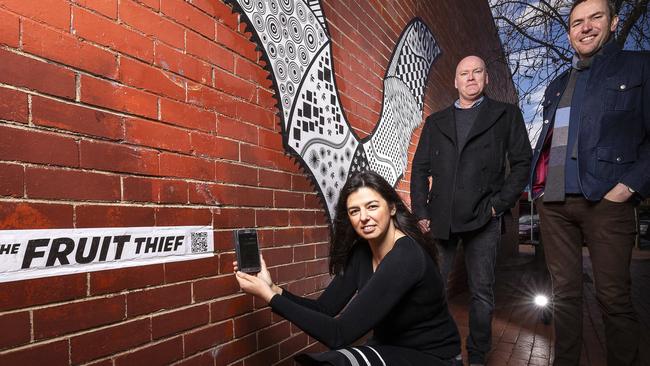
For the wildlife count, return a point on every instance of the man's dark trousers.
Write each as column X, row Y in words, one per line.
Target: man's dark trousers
column 608, row 229
column 480, row 249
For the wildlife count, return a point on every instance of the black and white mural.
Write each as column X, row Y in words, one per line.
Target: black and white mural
column 296, row 45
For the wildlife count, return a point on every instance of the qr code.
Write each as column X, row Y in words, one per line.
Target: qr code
column 199, row 242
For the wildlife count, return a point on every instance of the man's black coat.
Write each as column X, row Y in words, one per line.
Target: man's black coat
column 466, row 184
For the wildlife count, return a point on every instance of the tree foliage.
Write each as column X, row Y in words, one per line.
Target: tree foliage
column 534, row 38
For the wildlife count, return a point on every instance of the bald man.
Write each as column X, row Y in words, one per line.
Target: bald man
column 459, row 187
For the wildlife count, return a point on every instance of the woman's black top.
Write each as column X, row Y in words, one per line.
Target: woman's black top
column 403, row 301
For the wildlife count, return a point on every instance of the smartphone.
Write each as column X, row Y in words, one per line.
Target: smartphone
column 247, row 250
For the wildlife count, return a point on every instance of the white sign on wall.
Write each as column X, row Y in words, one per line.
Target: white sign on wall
column 28, row 254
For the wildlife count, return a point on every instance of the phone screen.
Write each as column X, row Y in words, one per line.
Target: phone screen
column 248, row 254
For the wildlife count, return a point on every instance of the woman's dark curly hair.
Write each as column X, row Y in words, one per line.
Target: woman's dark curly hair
column 344, row 237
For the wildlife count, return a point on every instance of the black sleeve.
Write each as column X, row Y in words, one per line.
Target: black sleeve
column 519, row 157
column 398, row 272
column 420, row 172
column 333, row 299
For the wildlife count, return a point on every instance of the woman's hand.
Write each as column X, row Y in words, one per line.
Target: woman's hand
column 260, row 285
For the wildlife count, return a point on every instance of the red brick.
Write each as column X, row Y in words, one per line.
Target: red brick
column 263, row 358
column 231, row 307
column 174, row 165
column 201, row 359
column 72, row 117
column 293, row 345
column 163, row 353
column 211, row 99
column 90, row 346
column 273, row 334
column 267, row 158
column 36, row 147
column 110, row 34
column 225, row 262
column 258, row 116
column 302, row 218
column 212, row 288
column 234, row 85
column 236, row 42
column 189, row 270
column 22, row 215
column 304, row 252
column 273, row 179
column 314, row 202
column 118, row 97
column 153, row 4
column 19, row 327
column 179, row 320
column 277, row 256
column 155, row 190
column 289, row 199
column 71, row 185
column 214, row 147
column 317, row 267
column 52, row 12
column 157, row 135
column 67, row 49
column 208, row 337
column 252, row 322
column 151, row 24
column 40, row 291
column 118, row 158
column 13, row 105
column 267, row 99
column 271, row 218
column 188, row 15
column 51, row 354
column 230, row 195
column 288, row 236
column 12, row 180
column 185, row 115
column 210, row 51
column 234, row 173
column 218, row 10
column 114, row 216
column 63, row 319
column 10, row 31
column 291, row 272
column 322, row 250
column 270, row 139
column 251, row 71
column 237, row 130
column 301, row 183
column 168, row 216
column 21, row 71
column 236, row 350
column 143, row 76
column 116, row 280
column 183, row 64
column 105, row 7
column 156, row 299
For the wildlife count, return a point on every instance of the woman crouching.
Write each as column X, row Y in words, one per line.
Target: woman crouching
column 378, row 254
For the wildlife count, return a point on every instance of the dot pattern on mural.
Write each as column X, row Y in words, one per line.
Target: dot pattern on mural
column 295, row 41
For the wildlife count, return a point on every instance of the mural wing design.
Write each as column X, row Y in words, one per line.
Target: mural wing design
column 296, row 45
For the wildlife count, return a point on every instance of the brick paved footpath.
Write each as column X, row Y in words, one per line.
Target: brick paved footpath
column 520, row 337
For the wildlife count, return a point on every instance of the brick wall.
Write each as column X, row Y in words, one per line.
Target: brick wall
column 155, row 113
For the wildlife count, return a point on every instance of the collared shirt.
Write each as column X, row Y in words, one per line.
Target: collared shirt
column 474, row 105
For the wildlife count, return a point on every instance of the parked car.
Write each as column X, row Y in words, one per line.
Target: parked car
column 644, row 233
column 529, row 229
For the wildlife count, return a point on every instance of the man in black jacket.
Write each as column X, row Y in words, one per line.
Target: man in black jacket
column 459, row 187
column 591, row 167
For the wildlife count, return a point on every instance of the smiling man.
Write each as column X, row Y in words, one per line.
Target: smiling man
column 590, row 170
column 463, row 150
